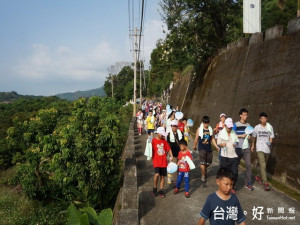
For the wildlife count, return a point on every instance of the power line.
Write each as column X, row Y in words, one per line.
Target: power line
column 141, row 29
column 133, row 14
column 129, row 15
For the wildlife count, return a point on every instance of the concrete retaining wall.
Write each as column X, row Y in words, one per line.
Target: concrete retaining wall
column 260, row 76
column 126, row 207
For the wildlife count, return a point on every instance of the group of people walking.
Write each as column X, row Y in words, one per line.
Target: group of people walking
column 233, row 141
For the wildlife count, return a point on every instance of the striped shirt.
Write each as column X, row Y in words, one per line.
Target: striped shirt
column 239, row 128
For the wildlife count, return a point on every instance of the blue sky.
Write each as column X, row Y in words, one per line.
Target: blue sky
column 54, row 46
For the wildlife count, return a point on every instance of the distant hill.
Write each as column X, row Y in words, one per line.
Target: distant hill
column 82, row 94
column 8, row 97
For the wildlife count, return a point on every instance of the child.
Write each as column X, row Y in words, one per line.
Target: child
column 183, row 168
column 220, row 125
column 204, row 137
column 162, row 118
column 218, row 128
column 222, row 207
column 140, row 121
column 150, row 123
column 181, row 125
column 160, row 149
column 263, row 134
column 186, row 130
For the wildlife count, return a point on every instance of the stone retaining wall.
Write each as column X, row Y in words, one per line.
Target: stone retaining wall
column 262, row 75
column 126, row 207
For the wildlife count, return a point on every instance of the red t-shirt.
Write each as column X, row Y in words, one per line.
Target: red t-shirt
column 160, row 150
column 183, row 165
column 181, row 127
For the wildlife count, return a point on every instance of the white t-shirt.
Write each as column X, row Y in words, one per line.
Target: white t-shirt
column 263, row 135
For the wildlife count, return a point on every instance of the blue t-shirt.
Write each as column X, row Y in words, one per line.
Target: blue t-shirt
column 222, row 212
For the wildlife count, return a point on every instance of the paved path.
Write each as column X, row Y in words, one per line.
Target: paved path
column 178, row 210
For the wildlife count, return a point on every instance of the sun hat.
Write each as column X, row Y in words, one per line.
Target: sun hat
column 161, row 130
column 229, row 123
column 222, row 114
column 174, row 123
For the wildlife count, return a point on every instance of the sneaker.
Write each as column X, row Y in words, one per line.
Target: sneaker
column 154, row 192
column 203, row 179
column 249, row 186
column 233, row 191
column 176, row 190
column 187, row 194
column 161, row 193
column 258, row 179
column 266, row 186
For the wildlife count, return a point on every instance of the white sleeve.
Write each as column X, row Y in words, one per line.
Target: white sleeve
column 254, row 134
column 272, row 133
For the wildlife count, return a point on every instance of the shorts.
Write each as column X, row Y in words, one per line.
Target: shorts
column 150, row 131
column 161, row 170
column 205, row 157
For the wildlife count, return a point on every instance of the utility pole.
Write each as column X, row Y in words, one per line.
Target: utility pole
column 144, row 77
column 140, row 84
column 298, row 12
column 135, row 59
column 112, row 86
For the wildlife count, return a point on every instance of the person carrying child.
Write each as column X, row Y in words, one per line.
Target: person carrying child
column 184, row 157
column 160, row 149
column 222, row 207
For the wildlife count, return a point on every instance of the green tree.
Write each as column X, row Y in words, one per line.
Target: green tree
column 196, row 30
column 276, row 12
column 75, row 160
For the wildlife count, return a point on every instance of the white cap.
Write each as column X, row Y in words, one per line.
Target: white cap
column 222, row 114
column 174, row 123
column 229, row 123
column 161, row 130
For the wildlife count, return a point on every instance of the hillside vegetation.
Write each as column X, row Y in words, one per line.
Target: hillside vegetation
column 72, row 96
column 60, row 153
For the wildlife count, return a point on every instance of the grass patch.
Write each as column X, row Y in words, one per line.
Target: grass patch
column 278, row 185
column 187, row 70
column 285, row 189
column 17, row 209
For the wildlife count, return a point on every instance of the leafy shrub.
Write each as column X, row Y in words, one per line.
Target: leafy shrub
column 87, row 215
column 75, row 157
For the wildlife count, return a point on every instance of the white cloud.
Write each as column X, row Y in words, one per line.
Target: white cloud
column 64, row 63
column 52, row 70
column 153, row 31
